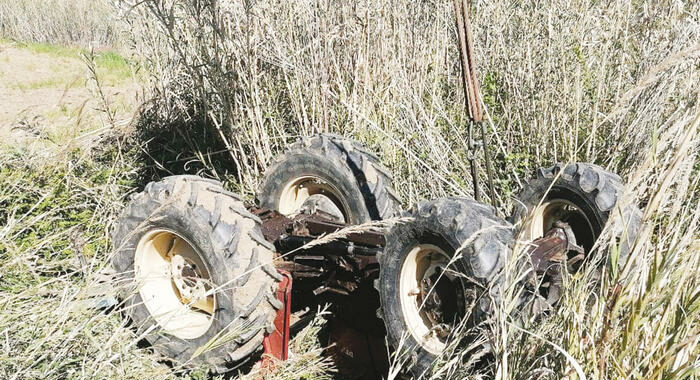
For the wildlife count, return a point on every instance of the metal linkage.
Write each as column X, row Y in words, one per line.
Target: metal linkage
column 551, row 255
column 277, row 226
column 472, row 96
column 553, row 248
column 343, row 263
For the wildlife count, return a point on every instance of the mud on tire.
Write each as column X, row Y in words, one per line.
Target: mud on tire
column 336, row 167
column 231, row 248
column 445, row 225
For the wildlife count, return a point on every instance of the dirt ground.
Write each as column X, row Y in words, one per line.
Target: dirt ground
column 47, row 96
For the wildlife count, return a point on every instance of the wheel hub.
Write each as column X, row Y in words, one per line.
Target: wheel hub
column 562, row 236
column 190, row 285
column 429, row 296
column 324, row 206
column 548, row 214
column 173, row 282
column 319, row 194
column 439, row 301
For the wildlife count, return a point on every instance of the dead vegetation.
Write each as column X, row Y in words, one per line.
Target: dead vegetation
column 612, row 82
column 78, row 23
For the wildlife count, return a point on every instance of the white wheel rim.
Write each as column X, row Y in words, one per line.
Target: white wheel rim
column 419, row 261
column 177, row 303
column 544, row 217
column 298, row 190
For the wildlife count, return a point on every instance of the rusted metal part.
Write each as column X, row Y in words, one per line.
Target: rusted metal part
column 299, row 270
column 364, row 262
column 470, row 81
column 341, row 269
column 551, row 256
column 549, row 249
column 324, row 288
column 553, row 248
column 276, row 225
column 327, row 264
column 472, row 96
column 338, row 283
column 315, row 225
column 276, row 343
column 339, row 264
column 337, row 248
column 470, row 91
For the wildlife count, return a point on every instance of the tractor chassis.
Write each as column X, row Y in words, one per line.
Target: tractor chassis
column 343, row 262
column 306, row 253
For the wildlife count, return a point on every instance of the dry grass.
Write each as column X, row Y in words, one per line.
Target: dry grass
column 557, row 80
column 612, row 82
column 82, row 23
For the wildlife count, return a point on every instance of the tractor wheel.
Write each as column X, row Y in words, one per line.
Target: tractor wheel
column 436, row 270
column 582, row 195
column 333, row 174
column 201, row 272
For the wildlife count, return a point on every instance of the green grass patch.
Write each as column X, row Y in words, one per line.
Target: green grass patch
column 51, row 49
column 110, row 60
column 113, row 66
column 110, row 64
column 52, row 202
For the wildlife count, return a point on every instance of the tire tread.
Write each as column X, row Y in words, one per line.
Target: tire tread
column 227, row 221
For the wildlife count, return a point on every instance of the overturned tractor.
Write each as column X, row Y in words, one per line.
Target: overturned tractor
column 215, row 271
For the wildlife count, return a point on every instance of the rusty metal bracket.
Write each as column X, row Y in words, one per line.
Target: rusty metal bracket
column 554, row 248
column 276, row 343
column 276, row 225
column 551, row 256
column 341, row 264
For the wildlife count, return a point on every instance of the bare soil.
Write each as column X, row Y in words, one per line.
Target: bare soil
column 49, row 99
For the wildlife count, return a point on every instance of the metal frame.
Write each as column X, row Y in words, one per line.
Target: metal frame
column 343, row 263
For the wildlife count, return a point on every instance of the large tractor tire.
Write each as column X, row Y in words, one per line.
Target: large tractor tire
column 200, row 270
column 582, row 195
column 438, row 269
column 331, row 173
